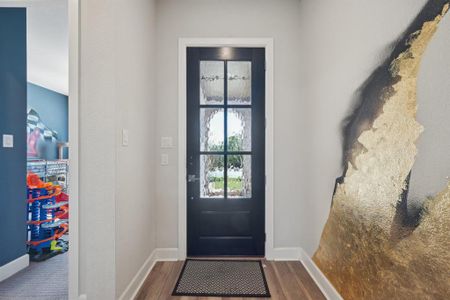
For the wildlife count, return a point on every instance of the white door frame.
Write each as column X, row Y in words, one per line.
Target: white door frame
column 74, row 34
column 73, row 18
column 183, row 43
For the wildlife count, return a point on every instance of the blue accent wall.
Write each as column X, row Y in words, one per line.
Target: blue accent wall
column 13, row 103
column 52, row 107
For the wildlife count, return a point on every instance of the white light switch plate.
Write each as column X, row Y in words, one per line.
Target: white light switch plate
column 8, row 141
column 166, row 142
column 125, row 137
column 164, row 159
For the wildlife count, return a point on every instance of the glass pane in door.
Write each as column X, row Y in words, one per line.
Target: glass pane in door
column 239, row 82
column 239, row 176
column 212, row 82
column 211, row 176
column 211, row 129
column 239, row 129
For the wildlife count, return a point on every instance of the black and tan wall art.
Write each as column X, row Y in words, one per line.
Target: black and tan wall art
column 373, row 246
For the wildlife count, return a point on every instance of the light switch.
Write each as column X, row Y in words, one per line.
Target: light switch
column 8, row 141
column 125, row 136
column 166, row 142
column 164, row 159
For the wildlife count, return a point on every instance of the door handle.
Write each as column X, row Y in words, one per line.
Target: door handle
column 192, row 178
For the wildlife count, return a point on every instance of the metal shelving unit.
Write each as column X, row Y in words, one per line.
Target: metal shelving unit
column 54, row 171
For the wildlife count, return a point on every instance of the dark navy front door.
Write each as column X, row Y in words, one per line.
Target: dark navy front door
column 225, row 151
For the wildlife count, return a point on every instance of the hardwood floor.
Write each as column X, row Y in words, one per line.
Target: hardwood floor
column 286, row 279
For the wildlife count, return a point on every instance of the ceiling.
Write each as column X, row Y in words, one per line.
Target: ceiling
column 48, row 44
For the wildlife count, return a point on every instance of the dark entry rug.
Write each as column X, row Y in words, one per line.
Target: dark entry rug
column 222, row 278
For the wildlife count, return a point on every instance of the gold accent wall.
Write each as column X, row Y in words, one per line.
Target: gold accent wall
column 366, row 250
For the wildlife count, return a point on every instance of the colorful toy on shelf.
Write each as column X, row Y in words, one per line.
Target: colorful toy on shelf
column 47, row 218
column 63, row 197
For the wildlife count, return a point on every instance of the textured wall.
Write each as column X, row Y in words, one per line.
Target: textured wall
column 135, row 183
column 371, row 248
column 431, row 169
column 117, row 207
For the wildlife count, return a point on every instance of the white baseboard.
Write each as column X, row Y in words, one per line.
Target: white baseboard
column 14, row 266
column 319, row 278
column 159, row 254
column 288, row 253
column 138, row 279
column 166, row 254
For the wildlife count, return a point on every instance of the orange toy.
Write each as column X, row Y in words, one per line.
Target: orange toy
column 34, row 182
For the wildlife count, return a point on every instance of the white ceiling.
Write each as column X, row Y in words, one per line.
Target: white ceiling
column 48, row 44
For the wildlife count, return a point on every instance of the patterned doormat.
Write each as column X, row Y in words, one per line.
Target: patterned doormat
column 222, row 278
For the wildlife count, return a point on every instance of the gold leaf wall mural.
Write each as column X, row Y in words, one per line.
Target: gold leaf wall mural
column 369, row 249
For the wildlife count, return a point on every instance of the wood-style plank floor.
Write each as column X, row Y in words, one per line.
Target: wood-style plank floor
column 286, row 279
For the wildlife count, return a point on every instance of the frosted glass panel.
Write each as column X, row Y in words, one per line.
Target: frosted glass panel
column 239, row 178
column 211, row 129
column 211, row 176
column 239, row 82
column 212, row 82
column 239, row 129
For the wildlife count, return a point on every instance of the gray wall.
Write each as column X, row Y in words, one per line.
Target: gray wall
column 13, row 101
column 97, row 134
column 346, row 42
column 343, row 51
column 324, row 50
column 237, row 18
column 431, row 172
column 117, row 214
column 135, row 194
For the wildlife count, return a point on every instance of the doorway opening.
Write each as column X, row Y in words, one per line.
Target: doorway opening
column 225, row 147
column 36, row 92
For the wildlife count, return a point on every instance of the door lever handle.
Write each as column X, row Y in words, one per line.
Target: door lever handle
column 192, row 178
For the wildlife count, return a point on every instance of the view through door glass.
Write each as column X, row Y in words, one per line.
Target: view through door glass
column 225, row 151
